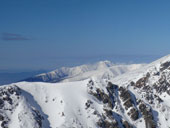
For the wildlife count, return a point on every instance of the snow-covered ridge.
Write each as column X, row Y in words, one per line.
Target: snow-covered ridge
column 141, row 72
column 136, row 99
column 102, row 69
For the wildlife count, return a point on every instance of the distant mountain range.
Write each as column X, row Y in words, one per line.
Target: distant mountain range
column 101, row 95
column 102, row 69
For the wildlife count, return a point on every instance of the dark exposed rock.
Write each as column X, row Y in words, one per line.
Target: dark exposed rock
column 144, row 110
column 105, row 98
column 109, row 113
column 10, row 91
column 150, row 123
column 102, row 96
column 165, row 66
column 142, row 81
column 90, row 84
column 8, row 99
column 111, row 86
column 88, row 103
column 128, row 104
column 111, row 89
column 157, row 73
column 95, row 112
column 62, row 114
column 138, row 101
column 149, row 97
column 1, row 103
column 106, row 124
column 38, row 117
column 1, row 117
column 124, row 94
column 3, row 92
column 148, row 116
column 162, row 85
column 147, row 88
column 132, row 83
column 4, row 124
column 7, row 93
column 110, row 105
column 159, row 99
column 142, row 107
column 135, row 114
column 126, row 125
column 126, row 97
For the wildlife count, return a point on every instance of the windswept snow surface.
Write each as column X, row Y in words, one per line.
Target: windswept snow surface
column 62, row 105
column 102, row 69
column 60, row 102
column 134, row 75
column 136, row 99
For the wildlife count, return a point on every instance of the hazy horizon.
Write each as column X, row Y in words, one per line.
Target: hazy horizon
column 50, row 34
column 76, row 61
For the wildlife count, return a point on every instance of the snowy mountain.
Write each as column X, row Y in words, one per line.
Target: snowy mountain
column 102, row 69
column 136, row 99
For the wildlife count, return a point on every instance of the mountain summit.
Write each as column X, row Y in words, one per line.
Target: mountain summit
column 100, row 70
column 136, row 99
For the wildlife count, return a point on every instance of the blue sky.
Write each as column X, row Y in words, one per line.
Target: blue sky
column 41, row 34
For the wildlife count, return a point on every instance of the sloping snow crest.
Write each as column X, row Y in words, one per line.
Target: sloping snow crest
column 136, row 99
column 102, row 69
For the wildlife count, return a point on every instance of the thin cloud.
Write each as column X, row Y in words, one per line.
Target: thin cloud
column 14, row 37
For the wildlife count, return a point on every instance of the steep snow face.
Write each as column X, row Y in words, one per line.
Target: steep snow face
column 137, row 99
column 150, row 86
column 103, row 69
column 47, row 105
column 153, row 68
column 16, row 111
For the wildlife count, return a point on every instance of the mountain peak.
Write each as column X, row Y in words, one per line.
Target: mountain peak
column 102, row 69
column 104, row 64
column 94, row 98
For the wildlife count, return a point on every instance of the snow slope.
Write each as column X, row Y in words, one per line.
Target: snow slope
column 61, row 105
column 102, row 69
column 136, row 99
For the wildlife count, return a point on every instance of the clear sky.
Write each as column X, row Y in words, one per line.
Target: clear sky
column 51, row 33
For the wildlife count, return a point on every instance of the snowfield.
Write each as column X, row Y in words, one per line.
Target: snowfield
column 100, row 96
column 100, row 70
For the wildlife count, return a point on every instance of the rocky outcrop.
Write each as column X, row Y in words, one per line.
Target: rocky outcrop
column 165, row 65
column 10, row 98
